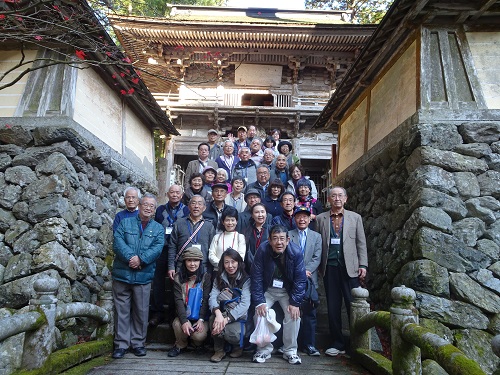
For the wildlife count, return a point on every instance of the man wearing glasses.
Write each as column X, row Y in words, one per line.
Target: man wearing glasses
column 344, row 261
column 138, row 242
column 131, row 196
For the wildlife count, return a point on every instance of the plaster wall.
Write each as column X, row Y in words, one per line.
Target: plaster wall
column 98, row 109
column 138, row 143
column 10, row 96
column 352, row 135
column 394, row 97
column 485, row 49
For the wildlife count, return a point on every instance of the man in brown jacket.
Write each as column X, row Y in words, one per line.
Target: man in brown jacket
column 344, row 260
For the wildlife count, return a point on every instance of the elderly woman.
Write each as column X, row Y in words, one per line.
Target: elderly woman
column 196, row 188
column 268, row 158
column 305, row 199
column 296, row 173
column 222, row 178
column 229, row 302
column 190, row 275
column 285, row 148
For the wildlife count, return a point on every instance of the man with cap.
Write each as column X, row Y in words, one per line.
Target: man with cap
column 309, row 242
column 190, row 231
column 218, row 205
column 278, row 275
column 166, row 214
column 138, row 242
column 246, row 167
column 286, row 218
column 285, row 148
column 262, row 182
column 197, row 166
column 241, row 141
column 215, row 148
column 252, row 197
column 227, row 159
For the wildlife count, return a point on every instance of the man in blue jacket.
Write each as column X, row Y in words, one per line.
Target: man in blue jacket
column 138, row 242
column 278, row 275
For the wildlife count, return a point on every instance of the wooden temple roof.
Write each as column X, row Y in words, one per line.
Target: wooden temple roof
column 400, row 20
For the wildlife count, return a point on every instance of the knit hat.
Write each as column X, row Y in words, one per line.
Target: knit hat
column 192, row 253
column 209, row 168
column 304, row 182
column 283, row 143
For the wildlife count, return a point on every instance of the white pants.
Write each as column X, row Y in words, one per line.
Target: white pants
column 290, row 327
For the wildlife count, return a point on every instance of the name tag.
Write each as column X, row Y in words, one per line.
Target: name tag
column 198, row 246
column 335, row 241
column 168, row 230
column 278, row 283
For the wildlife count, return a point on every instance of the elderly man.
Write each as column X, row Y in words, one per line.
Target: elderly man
column 246, row 167
column 227, row 160
column 131, row 196
column 138, row 242
column 278, row 275
column 310, row 245
column 256, row 153
column 280, row 169
column 215, row 148
column 166, row 214
column 251, row 134
column 218, row 205
column 344, row 261
column 286, row 218
column 197, row 166
column 262, row 182
column 190, row 231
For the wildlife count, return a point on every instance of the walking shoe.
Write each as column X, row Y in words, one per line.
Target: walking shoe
column 311, row 350
column 119, row 353
column 236, row 352
column 140, row 351
column 333, row 352
column 292, row 359
column 260, row 357
column 218, row 356
column 175, row 351
column 280, row 350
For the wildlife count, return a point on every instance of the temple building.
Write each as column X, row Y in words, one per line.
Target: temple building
column 222, row 68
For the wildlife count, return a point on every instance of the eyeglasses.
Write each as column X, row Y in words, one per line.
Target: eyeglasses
column 196, row 204
column 148, row 205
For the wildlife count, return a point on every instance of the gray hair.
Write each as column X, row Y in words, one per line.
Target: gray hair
column 196, row 196
column 180, row 187
column 222, row 170
column 269, row 150
column 148, row 195
column 228, row 141
column 244, row 148
column 257, row 140
column 132, row 188
column 337, row 187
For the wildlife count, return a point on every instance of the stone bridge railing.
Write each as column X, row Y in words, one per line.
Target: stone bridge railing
column 409, row 341
column 39, row 328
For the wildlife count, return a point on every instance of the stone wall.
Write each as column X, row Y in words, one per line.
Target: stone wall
column 429, row 195
column 58, row 198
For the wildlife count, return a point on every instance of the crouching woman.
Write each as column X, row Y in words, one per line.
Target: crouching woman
column 190, row 275
column 229, row 302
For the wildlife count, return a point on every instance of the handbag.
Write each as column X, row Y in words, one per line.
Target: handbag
column 311, row 297
column 195, row 297
column 229, row 298
column 262, row 335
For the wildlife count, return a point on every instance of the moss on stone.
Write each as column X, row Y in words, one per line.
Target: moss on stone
column 64, row 359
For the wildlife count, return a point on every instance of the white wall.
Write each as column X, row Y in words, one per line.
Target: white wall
column 139, row 143
column 10, row 96
column 485, row 49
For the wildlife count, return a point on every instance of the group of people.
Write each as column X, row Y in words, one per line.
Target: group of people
column 249, row 236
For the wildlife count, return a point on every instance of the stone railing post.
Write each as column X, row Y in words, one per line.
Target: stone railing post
column 359, row 308
column 406, row 357
column 38, row 345
column 106, row 302
column 495, row 344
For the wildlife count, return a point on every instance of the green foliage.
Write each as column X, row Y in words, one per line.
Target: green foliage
column 363, row 11
column 155, row 8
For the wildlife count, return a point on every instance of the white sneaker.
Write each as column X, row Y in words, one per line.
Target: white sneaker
column 333, row 352
column 293, row 359
column 260, row 357
column 281, row 350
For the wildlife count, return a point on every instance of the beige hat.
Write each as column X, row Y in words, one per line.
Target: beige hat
column 192, row 253
column 213, row 131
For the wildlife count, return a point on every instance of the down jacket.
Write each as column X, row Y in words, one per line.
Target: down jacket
column 262, row 272
column 128, row 241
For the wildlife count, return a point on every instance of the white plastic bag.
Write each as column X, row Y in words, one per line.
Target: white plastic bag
column 262, row 335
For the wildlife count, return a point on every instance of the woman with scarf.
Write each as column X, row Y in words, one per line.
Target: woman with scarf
column 190, row 275
column 229, row 302
column 256, row 233
column 305, row 199
column 297, row 172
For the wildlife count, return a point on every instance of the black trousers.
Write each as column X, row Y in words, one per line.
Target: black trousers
column 338, row 286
